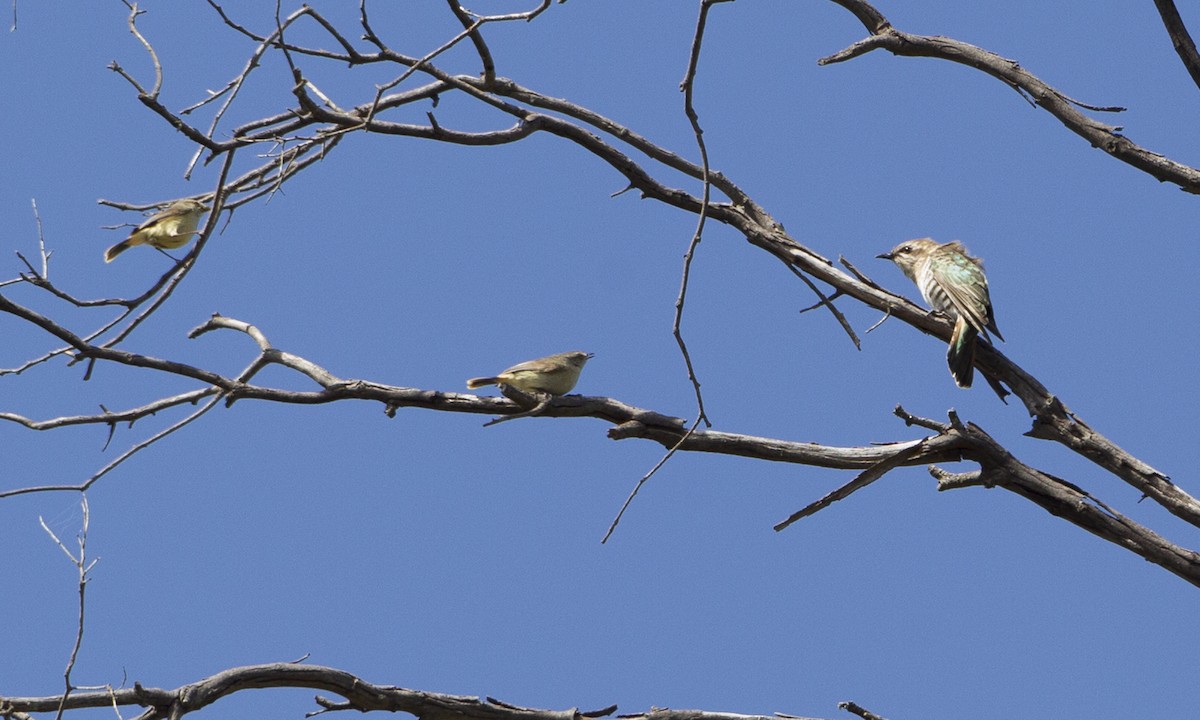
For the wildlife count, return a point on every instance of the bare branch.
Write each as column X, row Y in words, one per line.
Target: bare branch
column 863, row 479
column 1100, row 135
column 827, row 302
column 83, row 567
column 1065, row 500
column 860, row 711
column 688, row 88
column 471, row 27
column 158, row 73
column 1181, row 39
column 110, row 418
column 359, row 695
column 526, row 15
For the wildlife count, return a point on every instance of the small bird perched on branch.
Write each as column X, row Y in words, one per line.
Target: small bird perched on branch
column 167, row 229
column 953, row 283
column 551, row 375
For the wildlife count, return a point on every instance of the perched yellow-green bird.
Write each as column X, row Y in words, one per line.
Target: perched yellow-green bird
column 551, row 375
column 169, row 228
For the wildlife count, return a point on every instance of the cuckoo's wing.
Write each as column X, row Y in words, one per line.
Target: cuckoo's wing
column 962, row 279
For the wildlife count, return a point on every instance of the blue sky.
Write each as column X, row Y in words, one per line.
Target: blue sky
column 429, row 552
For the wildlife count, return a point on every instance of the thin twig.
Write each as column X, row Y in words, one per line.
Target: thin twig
column 828, row 303
column 687, row 86
column 83, row 567
column 37, row 218
column 860, row 481
column 158, row 72
column 663, row 461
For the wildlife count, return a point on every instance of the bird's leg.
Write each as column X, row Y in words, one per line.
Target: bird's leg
column 164, row 252
column 531, row 404
column 940, row 314
column 526, row 400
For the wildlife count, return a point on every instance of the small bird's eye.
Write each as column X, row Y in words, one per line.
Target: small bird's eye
column 904, row 249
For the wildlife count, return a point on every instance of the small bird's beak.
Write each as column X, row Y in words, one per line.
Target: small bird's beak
column 591, row 355
column 886, row 256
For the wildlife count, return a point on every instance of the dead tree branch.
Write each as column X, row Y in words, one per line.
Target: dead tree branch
column 949, row 443
column 357, row 694
column 1010, row 72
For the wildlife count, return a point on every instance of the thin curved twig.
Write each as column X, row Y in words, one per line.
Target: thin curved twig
column 637, row 488
column 689, row 108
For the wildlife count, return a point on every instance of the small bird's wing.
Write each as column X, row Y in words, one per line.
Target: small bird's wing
column 961, row 277
column 538, row 365
column 156, row 218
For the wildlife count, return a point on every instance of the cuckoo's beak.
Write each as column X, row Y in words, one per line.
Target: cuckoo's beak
column 886, row 256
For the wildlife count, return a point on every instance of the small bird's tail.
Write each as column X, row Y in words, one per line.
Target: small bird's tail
column 960, row 356
column 480, row 382
column 117, row 249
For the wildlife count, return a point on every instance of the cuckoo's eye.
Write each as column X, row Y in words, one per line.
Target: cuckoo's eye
column 904, row 249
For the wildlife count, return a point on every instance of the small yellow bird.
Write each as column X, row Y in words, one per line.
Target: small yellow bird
column 169, row 228
column 551, row 375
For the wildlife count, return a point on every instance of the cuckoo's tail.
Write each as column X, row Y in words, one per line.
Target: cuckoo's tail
column 960, row 356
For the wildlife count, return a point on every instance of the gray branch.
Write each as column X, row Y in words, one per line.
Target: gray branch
column 357, row 694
